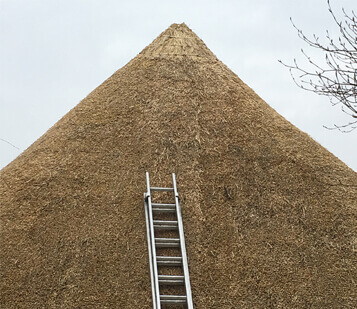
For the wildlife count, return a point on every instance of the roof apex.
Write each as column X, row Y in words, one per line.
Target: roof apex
column 178, row 41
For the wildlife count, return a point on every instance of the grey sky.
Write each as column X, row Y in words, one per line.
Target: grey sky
column 53, row 53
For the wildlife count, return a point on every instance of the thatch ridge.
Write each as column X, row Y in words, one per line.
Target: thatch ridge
column 179, row 41
column 269, row 214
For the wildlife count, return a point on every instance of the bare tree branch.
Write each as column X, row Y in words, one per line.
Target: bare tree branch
column 337, row 78
column 9, row 143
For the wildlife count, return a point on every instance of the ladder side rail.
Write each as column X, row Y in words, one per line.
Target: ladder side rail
column 153, row 290
column 152, row 242
column 183, row 246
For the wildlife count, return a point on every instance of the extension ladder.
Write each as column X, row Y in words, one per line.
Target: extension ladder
column 157, row 244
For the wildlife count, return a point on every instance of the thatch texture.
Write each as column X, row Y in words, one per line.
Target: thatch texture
column 269, row 214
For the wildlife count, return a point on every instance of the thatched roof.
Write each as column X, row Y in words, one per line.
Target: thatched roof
column 269, row 214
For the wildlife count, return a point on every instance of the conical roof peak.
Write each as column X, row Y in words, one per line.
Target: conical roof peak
column 178, row 41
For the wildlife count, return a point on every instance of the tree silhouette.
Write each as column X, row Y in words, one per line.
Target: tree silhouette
column 337, row 78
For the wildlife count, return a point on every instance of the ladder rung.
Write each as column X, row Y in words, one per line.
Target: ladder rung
column 169, row 260
column 167, row 242
column 163, row 222
column 163, row 205
column 173, row 299
column 161, row 189
column 163, row 210
column 171, row 280
column 158, row 207
column 165, row 225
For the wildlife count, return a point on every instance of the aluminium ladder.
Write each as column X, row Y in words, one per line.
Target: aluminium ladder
column 155, row 244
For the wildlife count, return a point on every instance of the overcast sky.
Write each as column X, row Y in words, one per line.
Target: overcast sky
column 54, row 53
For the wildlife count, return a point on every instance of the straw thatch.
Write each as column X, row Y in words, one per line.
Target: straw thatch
column 269, row 214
